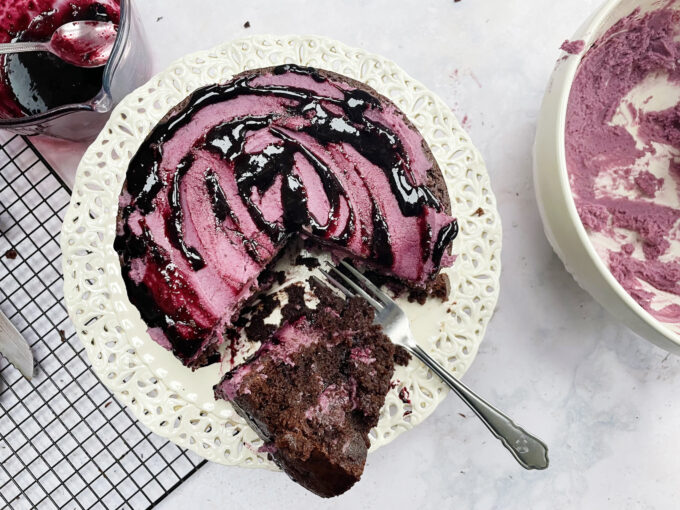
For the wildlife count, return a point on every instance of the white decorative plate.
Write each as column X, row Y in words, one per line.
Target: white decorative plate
column 177, row 403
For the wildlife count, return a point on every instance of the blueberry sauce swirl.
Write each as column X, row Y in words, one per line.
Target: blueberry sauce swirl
column 223, row 182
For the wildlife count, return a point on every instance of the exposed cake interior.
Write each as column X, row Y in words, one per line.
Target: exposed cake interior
column 236, row 170
column 314, row 389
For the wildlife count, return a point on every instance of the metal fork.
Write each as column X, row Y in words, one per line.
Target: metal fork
column 529, row 451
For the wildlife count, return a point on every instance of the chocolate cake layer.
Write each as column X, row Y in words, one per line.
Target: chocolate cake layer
column 314, row 390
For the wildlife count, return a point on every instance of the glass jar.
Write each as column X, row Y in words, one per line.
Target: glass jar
column 127, row 68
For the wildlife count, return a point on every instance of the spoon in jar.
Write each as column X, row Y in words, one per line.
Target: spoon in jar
column 80, row 43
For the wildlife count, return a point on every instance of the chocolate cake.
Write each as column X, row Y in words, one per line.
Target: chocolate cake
column 236, row 170
column 314, row 389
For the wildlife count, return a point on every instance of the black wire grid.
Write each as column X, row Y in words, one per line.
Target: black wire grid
column 65, row 442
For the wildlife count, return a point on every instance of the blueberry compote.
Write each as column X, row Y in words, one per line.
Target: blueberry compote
column 33, row 83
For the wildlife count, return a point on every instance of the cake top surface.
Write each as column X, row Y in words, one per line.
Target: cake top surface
column 234, row 171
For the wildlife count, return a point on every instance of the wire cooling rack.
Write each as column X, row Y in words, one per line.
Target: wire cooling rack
column 65, row 442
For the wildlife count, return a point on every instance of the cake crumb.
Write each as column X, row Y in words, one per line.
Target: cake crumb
column 257, row 330
column 107, row 404
column 246, row 24
column 309, row 262
column 478, row 212
column 159, row 18
column 417, row 296
column 401, row 357
column 462, row 415
column 62, row 335
column 280, row 277
column 11, row 254
column 441, row 287
column 438, row 288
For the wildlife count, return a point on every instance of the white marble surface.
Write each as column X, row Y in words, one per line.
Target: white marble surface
column 603, row 399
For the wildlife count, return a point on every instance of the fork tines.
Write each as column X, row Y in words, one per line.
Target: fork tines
column 356, row 285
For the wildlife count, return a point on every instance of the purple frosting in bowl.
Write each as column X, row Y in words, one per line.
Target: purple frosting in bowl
column 623, row 155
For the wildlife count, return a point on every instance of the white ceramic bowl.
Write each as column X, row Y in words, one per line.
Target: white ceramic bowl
column 563, row 226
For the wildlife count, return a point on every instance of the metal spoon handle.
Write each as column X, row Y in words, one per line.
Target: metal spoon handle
column 23, row 47
column 529, row 451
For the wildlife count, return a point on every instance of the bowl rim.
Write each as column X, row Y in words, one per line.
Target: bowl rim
column 588, row 33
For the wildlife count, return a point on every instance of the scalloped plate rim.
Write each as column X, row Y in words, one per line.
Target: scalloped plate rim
column 223, row 49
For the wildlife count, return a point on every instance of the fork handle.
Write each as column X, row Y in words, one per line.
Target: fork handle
column 529, row 451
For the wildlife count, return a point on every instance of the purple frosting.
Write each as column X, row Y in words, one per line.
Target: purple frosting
column 634, row 49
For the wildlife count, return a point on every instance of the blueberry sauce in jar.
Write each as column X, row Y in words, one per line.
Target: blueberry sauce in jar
column 32, row 83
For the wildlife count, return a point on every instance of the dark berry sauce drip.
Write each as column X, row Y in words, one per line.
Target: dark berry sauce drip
column 375, row 142
column 305, row 71
column 175, row 222
column 380, row 246
column 294, row 200
column 40, row 81
column 227, row 139
column 378, row 144
column 253, row 171
column 332, row 188
column 250, row 170
column 426, row 239
column 143, row 181
column 260, row 171
column 160, row 309
column 446, row 235
column 222, row 210
column 218, row 200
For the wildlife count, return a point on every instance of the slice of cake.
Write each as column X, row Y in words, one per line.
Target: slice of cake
column 237, row 169
column 314, row 389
